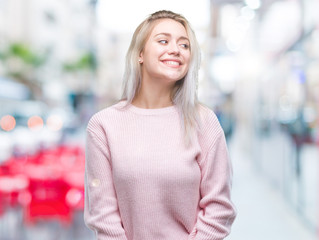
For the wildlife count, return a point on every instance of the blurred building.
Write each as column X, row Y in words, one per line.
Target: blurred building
column 264, row 54
column 61, row 31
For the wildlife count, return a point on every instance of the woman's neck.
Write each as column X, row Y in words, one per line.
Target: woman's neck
column 151, row 100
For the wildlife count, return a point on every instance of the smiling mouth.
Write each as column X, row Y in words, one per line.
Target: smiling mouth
column 172, row 63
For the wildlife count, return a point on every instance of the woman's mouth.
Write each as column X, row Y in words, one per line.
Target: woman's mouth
column 172, row 63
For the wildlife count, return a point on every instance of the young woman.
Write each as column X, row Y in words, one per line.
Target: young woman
column 157, row 166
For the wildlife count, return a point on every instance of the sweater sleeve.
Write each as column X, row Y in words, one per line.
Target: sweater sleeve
column 101, row 213
column 217, row 212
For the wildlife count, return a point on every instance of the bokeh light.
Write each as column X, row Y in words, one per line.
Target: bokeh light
column 54, row 123
column 73, row 197
column 8, row 123
column 35, row 123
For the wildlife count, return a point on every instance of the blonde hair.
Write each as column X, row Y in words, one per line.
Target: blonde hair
column 185, row 90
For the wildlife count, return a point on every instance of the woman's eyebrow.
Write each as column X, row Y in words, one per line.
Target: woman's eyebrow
column 169, row 35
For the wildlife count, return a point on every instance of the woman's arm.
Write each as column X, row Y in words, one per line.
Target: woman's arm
column 217, row 212
column 101, row 212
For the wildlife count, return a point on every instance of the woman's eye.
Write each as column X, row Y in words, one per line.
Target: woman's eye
column 163, row 41
column 185, row 45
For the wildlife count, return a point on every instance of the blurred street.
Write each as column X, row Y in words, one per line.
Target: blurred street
column 62, row 61
column 263, row 213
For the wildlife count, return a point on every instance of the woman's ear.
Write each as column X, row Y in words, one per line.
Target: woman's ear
column 140, row 58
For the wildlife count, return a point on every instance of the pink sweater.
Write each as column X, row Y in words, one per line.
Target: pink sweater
column 142, row 183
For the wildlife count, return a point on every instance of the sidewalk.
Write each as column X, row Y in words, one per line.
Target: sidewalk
column 263, row 214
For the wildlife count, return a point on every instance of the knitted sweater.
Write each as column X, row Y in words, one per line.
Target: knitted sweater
column 142, row 183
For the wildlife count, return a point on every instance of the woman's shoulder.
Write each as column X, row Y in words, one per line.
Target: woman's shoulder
column 207, row 115
column 210, row 127
column 105, row 115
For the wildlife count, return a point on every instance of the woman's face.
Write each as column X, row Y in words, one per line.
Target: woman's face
column 166, row 54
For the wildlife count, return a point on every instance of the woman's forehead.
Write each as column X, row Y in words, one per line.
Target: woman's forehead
column 169, row 26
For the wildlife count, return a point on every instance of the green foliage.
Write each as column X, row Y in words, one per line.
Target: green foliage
column 85, row 62
column 30, row 59
column 23, row 52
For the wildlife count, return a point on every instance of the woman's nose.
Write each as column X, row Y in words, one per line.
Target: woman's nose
column 173, row 49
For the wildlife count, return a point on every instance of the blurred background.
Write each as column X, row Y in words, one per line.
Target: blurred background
column 63, row 60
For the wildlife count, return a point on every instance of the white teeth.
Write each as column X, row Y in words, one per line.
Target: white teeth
column 172, row 63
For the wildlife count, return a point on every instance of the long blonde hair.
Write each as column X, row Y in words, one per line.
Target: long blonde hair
column 185, row 90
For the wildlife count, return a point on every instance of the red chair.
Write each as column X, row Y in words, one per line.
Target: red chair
column 48, row 198
column 12, row 184
column 75, row 194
